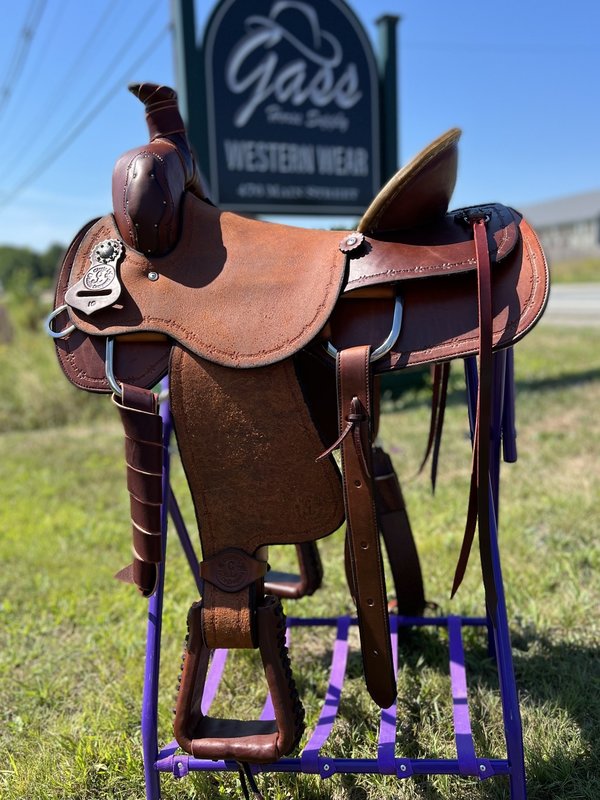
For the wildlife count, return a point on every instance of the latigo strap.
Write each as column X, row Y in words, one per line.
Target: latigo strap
column 396, row 532
column 368, row 580
column 144, row 451
column 479, row 495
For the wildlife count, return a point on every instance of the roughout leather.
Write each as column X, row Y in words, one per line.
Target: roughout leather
column 265, row 301
column 231, row 297
column 244, row 438
column 240, row 434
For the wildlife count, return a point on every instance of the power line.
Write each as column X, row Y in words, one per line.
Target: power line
column 39, row 126
column 26, row 36
column 525, row 48
column 53, row 28
column 51, row 156
column 65, row 85
column 115, row 62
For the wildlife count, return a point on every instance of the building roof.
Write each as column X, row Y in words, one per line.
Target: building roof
column 563, row 210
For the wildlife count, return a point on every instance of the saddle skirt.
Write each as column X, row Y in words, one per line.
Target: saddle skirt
column 244, row 293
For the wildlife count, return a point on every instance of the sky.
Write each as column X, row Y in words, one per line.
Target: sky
column 521, row 79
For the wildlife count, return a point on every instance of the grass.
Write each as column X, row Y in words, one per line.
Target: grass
column 72, row 639
column 582, row 270
column 35, row 393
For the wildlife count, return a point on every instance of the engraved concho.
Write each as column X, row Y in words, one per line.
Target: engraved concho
column 98, row 276
column 100, row 286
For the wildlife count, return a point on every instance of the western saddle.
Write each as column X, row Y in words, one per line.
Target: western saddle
column 273, row 338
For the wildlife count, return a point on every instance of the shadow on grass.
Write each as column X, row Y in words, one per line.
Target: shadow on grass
column 552, row 677
column 558, row 686
column 565, row 380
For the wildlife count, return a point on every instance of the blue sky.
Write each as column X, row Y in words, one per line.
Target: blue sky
column 520, row 78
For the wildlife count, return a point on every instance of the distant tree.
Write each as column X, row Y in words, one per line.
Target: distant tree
column 21, row 266
column 16, row 261
column 50, row 261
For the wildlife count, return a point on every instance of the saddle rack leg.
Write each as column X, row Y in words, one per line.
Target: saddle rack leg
column 153, row 637
column 500, row 644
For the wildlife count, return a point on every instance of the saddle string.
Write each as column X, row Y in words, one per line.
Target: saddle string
column 248, row 781
column 479, row 508
column 354, row 419
column 440, row 376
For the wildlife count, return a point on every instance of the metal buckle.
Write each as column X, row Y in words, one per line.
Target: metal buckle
column 385, row 347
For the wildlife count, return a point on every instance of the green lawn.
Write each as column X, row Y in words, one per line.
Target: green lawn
column 72, row 638
column 582, row 270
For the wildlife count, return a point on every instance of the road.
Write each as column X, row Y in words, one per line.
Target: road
column 574, row 304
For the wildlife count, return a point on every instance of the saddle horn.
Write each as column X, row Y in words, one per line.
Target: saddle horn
column 149, row 182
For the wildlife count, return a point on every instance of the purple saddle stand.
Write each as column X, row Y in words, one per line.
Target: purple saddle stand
column 168, row 759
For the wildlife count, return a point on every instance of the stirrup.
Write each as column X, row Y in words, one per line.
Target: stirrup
column 253, row 741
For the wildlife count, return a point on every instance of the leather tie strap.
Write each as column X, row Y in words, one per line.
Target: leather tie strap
column 479, row 495
column 362, row 535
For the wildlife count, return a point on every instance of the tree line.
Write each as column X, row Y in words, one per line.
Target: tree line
column 21, row 267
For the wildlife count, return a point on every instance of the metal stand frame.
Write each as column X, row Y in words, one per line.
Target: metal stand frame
column 466, row 763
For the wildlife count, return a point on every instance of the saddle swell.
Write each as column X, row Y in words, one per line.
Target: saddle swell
column 244, row 316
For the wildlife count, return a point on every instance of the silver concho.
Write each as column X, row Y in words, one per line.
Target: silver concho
column 98, row 277
column 100, row 285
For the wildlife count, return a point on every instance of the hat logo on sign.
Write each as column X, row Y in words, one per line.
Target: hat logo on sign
column 310, row 77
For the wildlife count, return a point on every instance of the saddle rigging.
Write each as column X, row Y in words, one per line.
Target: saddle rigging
column 272, row 338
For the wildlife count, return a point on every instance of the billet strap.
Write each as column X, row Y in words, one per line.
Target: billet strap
column 138, row 409
column 293, row 587
column 479, row 494
column 396, row 532
column 253, row 741
column 368, row 580
column 440, row 373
